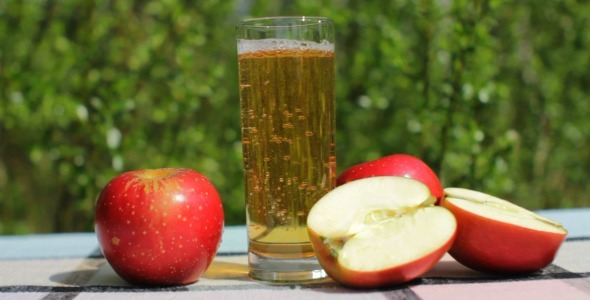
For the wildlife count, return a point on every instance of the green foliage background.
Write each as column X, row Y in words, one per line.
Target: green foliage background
column 494, row 95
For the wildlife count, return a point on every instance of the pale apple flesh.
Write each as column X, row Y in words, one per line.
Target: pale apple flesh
column 497, row 236
column 379, row 231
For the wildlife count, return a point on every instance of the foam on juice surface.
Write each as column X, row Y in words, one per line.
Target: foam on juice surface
column 248, row 46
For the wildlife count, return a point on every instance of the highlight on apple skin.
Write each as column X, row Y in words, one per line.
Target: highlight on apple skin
column 403, row 165
column 379, row 231
column 497, row 236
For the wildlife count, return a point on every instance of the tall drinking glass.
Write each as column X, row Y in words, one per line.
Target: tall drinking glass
column 286, row 74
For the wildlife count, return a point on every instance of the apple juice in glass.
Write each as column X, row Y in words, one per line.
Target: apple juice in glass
column 286, row 80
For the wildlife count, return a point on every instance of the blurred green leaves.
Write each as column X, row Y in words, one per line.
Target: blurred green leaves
column 492, row 94
column 94, row 88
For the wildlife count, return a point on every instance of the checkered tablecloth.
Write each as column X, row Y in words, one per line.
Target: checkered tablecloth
column 68, row 266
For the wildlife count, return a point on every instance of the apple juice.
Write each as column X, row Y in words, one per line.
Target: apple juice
column 288, row 123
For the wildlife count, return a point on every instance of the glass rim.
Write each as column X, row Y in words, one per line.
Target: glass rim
column 279, row 22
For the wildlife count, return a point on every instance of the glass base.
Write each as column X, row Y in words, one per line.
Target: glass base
column 285, row 271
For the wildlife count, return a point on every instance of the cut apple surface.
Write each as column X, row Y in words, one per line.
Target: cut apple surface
column 497, row 236
column 378, row 231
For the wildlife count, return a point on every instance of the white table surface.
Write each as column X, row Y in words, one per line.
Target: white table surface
column 70, row 266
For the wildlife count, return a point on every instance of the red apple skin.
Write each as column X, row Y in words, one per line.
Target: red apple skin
column 159, row 227
column 491, row 246
column 374, row 279
column 395, row 165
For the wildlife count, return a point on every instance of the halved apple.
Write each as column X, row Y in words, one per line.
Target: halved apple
column 497, row 236
column 379, row 231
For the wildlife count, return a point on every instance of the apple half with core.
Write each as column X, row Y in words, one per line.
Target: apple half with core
column 404, row 165
column 159, row 227
column 379, row 231
column 497, row 236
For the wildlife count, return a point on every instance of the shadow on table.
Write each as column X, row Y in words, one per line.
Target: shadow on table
column 227, row 270
column 99, row 272
column 85, row 273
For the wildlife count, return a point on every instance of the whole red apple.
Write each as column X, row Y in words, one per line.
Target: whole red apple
column 159, row 227
column 395, row 165
column 497, row 236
